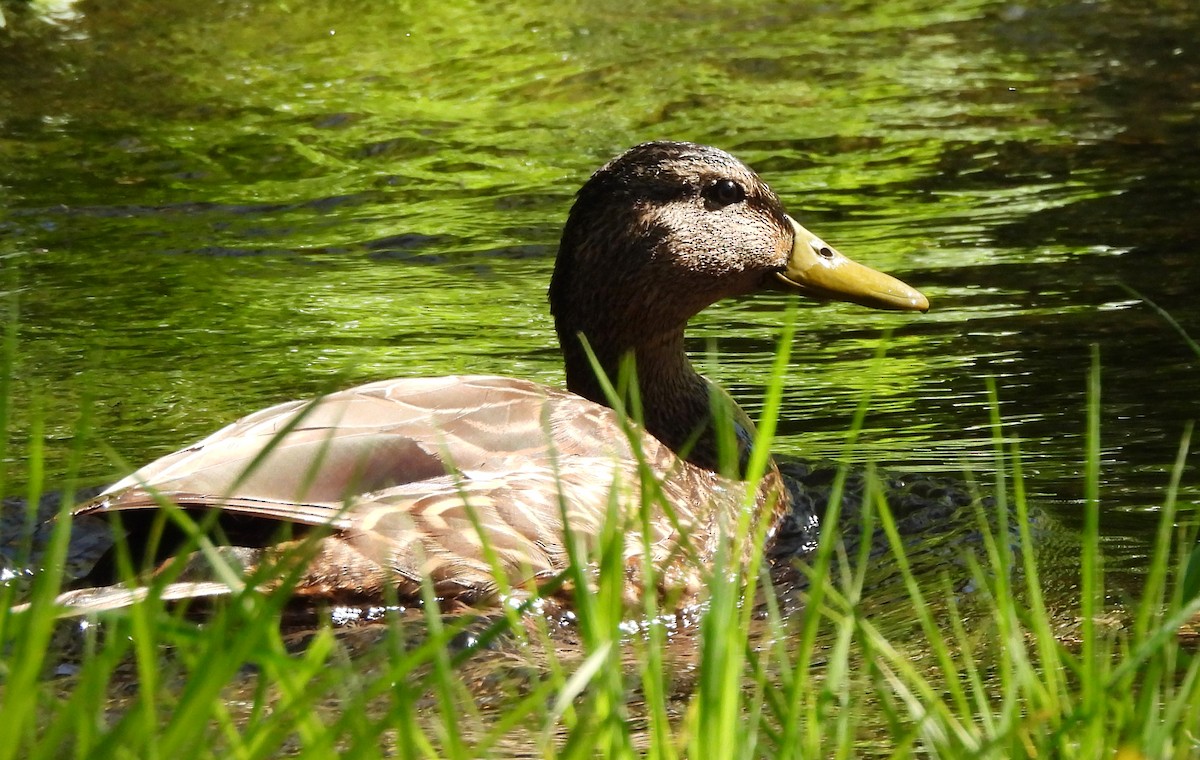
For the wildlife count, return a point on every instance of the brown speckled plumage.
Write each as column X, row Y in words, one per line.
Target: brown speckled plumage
column 394, row 470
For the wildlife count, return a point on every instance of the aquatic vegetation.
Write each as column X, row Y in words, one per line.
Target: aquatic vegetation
column 981, row 660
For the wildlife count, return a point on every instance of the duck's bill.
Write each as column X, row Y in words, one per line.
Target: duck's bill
column 817, row 270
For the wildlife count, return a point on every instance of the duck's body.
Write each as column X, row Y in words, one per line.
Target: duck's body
column 435, row 478
column 401, row 460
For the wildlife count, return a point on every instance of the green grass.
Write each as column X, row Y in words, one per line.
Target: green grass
column 976, row 658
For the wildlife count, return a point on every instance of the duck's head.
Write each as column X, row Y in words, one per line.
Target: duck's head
column 667, row 228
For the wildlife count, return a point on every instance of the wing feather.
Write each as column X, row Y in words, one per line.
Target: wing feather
column 405, row 471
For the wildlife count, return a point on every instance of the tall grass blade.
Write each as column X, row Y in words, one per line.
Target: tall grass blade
column 1091, row 573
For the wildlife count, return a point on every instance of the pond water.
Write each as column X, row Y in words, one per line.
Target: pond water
column 206, row 208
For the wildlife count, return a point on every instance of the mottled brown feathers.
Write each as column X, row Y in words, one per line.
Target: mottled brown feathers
column 403, row 463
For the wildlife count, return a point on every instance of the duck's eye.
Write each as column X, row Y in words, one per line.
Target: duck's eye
column 725, row 192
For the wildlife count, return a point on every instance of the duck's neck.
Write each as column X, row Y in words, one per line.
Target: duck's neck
column 676, row 400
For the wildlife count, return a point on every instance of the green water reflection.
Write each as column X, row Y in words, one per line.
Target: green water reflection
column 209, row 207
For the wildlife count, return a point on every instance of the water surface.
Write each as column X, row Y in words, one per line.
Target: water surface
column 206, row 208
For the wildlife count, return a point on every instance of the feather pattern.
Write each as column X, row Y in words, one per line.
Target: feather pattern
column 409, row 467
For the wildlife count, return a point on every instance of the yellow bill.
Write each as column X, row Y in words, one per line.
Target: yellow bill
column 817, row 270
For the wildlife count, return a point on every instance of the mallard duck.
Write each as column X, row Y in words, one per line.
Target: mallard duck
column 398, row 472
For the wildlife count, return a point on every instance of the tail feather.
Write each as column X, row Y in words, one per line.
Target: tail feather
column 87, row 601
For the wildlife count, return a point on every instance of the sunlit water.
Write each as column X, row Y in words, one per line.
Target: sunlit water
column 207, row 208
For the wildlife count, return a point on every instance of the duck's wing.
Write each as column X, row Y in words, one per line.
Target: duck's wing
column 405, row 473
column 463, row 530
column 370, row 438
column 471, row 534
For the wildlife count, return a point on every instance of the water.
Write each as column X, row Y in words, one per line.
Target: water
column 206, row 208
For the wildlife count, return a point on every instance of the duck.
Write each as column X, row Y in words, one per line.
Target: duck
column 471, row 484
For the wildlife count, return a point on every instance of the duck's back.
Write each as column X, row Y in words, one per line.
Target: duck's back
column 415, row 476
